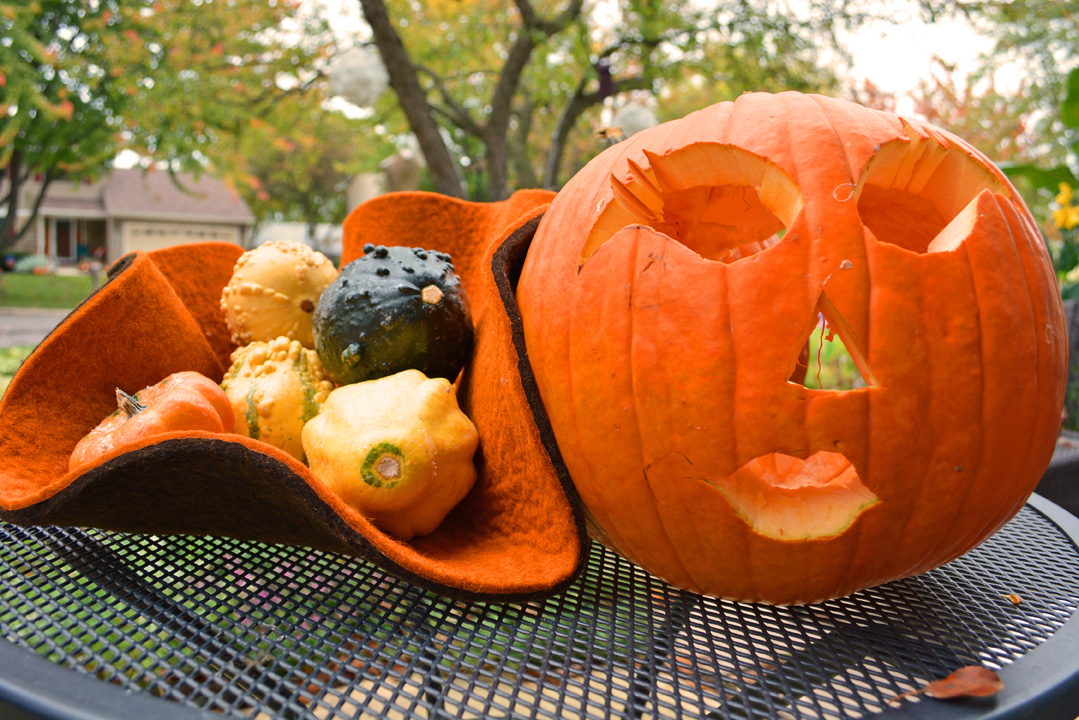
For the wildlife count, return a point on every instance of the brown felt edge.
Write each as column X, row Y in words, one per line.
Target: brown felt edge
column 506, row 265
column 92, row 494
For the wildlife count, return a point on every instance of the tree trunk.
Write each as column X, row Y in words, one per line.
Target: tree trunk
column 571, row 112
column 566, row 120
column 518, row 148
column 413, row 100
column 496, row 132
column 8, row 234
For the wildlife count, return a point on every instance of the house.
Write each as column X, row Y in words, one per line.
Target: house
column 326, row 238
column 131, row 209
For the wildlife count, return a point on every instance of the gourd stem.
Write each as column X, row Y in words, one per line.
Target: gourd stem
column 128, row 403
column 388, row 467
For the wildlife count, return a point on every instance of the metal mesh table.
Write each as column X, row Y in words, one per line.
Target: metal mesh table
column 108, row 625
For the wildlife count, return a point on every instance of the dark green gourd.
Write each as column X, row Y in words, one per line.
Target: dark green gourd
column 393, row 309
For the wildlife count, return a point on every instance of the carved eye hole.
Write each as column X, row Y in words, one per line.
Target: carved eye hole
column 913, row 193
column 722, row 202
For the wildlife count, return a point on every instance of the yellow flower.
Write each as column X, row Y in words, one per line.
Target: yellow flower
column 1071, row 217
column 1064, row 198
column 1066, row 217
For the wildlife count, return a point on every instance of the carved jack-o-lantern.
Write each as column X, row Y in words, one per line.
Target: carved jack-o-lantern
column 667, row 301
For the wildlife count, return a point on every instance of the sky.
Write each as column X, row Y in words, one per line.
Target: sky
column 896, row 57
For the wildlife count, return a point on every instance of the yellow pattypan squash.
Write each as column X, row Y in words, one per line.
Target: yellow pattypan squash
column 398, row 449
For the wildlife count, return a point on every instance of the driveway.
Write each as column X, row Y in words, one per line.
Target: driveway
column 27, row 326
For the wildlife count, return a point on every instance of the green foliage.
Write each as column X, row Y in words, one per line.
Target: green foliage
column 10, row 360
column 1060, row 182
column 1037, row 36
column 43, row 291
column 60, row 101
column 830, row 365
column 299, row 166
column 168, row 79
column 1069, row 109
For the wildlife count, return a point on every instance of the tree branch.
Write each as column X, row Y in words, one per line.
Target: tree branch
column 413, row 100
column 454, row 111
column 497, row 127
column 571, row 112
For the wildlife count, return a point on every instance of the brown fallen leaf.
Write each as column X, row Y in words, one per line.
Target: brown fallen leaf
column 1013, row 598
column 969, row 681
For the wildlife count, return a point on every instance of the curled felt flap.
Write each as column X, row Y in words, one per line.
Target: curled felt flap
column 131, row 333
column 518, row 534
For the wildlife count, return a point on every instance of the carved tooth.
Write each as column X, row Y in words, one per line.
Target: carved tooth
column 627, row 199
column 645, row 187
column 665, row 179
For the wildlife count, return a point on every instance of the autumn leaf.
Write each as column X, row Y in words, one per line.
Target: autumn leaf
column 968, row 681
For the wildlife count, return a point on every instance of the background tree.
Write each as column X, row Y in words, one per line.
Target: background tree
column 503, row 88
column 1041, row 37
column 60, row 98
column 298, row 167
column 995, row 122
column 168, row 79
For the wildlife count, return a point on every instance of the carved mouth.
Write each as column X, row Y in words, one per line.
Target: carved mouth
column 786, row 498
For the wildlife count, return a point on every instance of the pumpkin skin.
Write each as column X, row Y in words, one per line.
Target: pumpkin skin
column 182, row 401
column 668, row 295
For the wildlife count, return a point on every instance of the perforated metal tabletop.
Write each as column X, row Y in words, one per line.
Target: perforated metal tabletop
column 107, row 625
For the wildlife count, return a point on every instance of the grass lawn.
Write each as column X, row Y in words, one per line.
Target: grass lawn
column 10, row 359
column 43, row 291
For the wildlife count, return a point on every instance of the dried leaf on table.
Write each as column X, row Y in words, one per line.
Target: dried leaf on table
column 969, row 681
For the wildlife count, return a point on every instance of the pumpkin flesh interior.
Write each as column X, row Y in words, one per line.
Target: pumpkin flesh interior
column 722, row 202
column 787, row 498
column 911, row 191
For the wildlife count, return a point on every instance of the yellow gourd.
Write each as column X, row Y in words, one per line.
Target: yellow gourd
column 274, row 290
column 275, row 388
column 398, row 449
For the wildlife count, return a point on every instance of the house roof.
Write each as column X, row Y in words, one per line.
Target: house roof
column 152, row 195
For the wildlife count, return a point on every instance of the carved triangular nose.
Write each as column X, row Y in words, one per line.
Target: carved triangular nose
column 828, row 359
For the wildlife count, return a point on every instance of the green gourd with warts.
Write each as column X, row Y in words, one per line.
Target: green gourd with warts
column 393, row 309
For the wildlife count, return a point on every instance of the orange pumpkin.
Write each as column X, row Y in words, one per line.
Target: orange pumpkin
column 182, row 401
column 667, row 299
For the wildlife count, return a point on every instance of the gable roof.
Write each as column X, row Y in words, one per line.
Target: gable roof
column 152, row 195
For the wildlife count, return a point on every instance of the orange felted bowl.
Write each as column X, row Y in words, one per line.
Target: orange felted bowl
column 518, row 535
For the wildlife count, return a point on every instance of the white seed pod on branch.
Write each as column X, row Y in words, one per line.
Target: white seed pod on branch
column 359, row 76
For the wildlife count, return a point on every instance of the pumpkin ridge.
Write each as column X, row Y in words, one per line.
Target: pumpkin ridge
column 1032, row 237
column 671, row 546
column 605, row 524
column 1014, row 223
column 919, row 492
column 961, row 504
column 1029, row 322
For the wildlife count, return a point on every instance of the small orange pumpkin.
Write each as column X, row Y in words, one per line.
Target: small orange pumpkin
column 667, row 299
column 182, row 401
